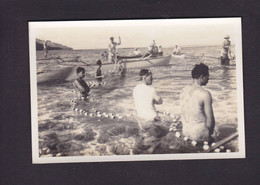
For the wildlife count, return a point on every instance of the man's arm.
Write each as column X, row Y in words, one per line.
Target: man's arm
column 79, row 86
column 157, row 99
column 210, row 120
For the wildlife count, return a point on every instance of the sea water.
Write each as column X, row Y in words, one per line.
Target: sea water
column 66, row 132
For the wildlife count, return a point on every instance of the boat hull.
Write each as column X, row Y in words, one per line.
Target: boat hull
column 69, row 73
column 140, row 63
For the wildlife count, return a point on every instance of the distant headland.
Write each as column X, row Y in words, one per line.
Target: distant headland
column 51, row 46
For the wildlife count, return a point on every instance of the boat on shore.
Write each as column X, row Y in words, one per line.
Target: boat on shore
column 69, row 73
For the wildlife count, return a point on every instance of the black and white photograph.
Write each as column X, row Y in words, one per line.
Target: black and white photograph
column 136, row 90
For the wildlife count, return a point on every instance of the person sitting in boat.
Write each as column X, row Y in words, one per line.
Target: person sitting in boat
column 99, row 72
column 105, row 55
column 177, row 50
column 160, row 52
column 145, row 96
column 197, row 115
column 137, row 52
column 112, row 50
column 225, row 54
column 153, row 49
column 80, row 84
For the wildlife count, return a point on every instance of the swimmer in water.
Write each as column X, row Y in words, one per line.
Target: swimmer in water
column 80, row 84
column 196, row 106
column 99, row 72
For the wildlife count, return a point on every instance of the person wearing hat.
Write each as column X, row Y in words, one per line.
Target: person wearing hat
column 145, row 96
column 226, row 43
column 226, row 51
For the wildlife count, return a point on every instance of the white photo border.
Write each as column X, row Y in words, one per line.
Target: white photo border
column 33, row 26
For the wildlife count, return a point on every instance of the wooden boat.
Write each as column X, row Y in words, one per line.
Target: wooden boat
column 129, row 56
column 69, row 73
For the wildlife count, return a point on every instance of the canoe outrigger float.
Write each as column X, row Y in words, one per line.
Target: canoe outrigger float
column 69, row 73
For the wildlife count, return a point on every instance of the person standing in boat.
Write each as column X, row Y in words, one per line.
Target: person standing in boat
column 226, row 51
column 197, row 115
column 112, row 51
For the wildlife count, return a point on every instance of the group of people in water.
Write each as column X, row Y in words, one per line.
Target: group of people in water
column 197, row 114
column 195, row 102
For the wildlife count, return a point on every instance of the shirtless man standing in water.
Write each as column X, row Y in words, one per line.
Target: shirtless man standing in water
column 196, row 106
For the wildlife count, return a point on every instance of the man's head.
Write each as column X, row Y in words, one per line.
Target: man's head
column 226, row 37
column 99, row 62
column 201, row 71
column 146, row 76
column 81, row 72
column 112, row 39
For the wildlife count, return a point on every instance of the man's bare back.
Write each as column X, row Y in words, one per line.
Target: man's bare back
column 196, row 108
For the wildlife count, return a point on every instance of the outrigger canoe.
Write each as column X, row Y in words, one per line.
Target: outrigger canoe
column 69, row 73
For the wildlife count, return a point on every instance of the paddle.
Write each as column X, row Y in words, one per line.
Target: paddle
column 222, row 142
column 198, row 60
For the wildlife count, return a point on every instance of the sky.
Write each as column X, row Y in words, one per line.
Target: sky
column 137, row 33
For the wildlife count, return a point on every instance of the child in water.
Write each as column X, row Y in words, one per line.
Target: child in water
column 99, row 72
column 80, row 84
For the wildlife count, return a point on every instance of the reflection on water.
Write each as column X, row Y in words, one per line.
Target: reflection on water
column 62, row 131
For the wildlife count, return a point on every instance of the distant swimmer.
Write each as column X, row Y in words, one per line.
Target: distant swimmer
column 45, row 48
column 145, row 96
column 177, row 50
column 226, row 51
column 99, row 72
column 80, row 84
column 196, row 106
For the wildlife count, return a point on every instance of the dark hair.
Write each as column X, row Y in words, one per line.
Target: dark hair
column 200, row 69
column 145, row 72
column 99, row 62
column 111, row 38
column 80, row 69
